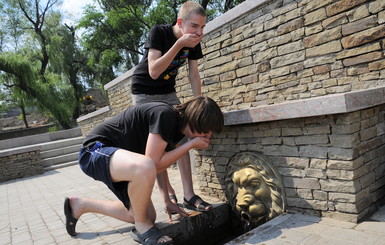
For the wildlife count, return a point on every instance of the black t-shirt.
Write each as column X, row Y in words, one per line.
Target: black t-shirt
column 162, row 38
column 129, row 130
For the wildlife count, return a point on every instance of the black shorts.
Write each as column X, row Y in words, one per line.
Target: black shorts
column 95, row 162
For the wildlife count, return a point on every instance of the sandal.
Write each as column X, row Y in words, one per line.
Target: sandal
column 202, row 207
column 150, row 237
column 70, row 220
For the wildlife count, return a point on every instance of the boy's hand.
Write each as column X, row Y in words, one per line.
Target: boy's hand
column 173, row 208
column 190, row 40
column 200, row 142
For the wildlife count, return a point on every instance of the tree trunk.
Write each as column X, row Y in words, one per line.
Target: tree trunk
column 24, row 115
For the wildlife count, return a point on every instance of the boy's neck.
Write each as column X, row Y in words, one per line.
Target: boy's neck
column 177, row 31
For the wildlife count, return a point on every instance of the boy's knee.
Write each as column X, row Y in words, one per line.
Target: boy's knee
column 146, row 168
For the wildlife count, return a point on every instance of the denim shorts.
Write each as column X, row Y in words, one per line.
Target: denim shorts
column 95, row 162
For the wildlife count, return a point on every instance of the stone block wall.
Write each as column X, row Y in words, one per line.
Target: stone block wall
column 18, row 164
column 290, row 50
column 119, row 93
column 332, row 165
column 89, row 121
column 266, row 52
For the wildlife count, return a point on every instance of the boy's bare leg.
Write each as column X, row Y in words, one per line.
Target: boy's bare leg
column 184, row 165
column 114, row 209
column 170, row 190
column 140, row 171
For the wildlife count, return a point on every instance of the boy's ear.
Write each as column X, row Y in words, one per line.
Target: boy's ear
column 179, row 22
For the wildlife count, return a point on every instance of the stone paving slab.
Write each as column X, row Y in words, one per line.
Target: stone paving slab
column 31, row 209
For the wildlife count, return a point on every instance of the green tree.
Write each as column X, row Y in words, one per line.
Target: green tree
column 11, row 36
column 51, row 55
column 26, row 78
column 65, row 57
column 112, row 37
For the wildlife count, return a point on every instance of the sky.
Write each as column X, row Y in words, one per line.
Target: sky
column 74, row 9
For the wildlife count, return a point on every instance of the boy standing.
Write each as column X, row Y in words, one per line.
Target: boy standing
column 167, row 48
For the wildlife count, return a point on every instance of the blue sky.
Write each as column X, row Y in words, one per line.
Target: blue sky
column 74, row 8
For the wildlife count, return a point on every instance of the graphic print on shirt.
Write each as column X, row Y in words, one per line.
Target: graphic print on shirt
column 177, row 62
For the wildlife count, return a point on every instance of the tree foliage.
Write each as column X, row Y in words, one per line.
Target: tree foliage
column 27, row 79
column 48, row 51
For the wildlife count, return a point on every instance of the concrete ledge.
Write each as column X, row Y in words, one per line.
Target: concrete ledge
column 17, row 151
column 22, row 132
column 40, row 138
column 325, row 105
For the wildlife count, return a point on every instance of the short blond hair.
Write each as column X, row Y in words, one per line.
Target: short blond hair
column 189, row 8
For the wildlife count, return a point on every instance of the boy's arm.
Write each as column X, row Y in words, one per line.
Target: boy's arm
column 155, row 149
column 158, row 63
column 194, row 77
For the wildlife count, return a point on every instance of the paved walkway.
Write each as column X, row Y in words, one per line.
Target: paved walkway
column 31, row 212
column 297, row 229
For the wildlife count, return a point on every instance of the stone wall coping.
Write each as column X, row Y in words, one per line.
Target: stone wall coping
column 233, row 14
column 19, row 150
column 318, row 106
column 119, row 79
column 93, row 114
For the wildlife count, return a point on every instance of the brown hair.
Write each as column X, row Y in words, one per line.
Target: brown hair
column 189, row 8
column 202, row 115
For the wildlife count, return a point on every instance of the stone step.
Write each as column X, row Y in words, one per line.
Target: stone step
column 60, row 151
column 60, row 159
column 57, row 144
column 61, row 165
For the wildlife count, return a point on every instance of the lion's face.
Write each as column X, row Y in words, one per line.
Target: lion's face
column 252, row 196
column 254, row 189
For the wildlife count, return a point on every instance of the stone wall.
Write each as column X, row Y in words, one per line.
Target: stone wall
column 18, row 164
column 282, row 71
column 332, row 165
column 291, row 50
column 267, row 52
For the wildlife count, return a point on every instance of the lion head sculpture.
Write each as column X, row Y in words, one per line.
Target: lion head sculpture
column 254, row 189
